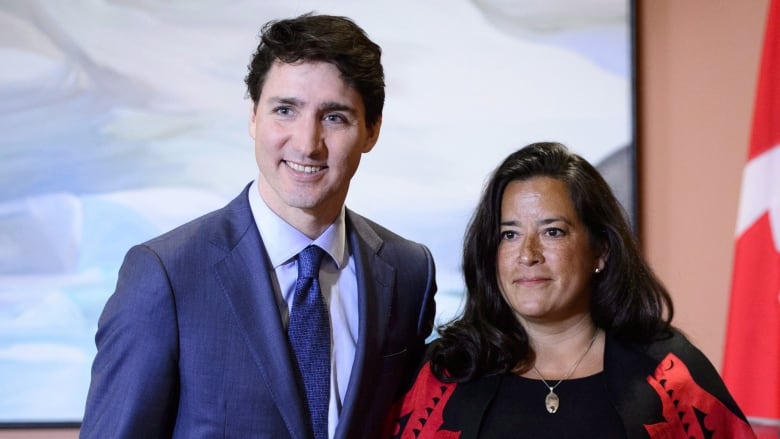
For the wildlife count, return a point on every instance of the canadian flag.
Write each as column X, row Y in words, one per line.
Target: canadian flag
column 751, row 367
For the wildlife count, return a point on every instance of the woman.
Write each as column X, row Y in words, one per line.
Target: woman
column 566, row 331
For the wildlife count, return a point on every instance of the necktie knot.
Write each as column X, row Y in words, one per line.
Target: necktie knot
column 309, row 260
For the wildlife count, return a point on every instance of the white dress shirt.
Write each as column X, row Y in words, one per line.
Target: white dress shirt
column 338, row 283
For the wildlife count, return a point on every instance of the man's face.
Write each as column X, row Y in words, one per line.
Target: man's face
column 310, row 132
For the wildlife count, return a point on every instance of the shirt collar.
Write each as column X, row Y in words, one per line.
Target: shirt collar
column 288, row 241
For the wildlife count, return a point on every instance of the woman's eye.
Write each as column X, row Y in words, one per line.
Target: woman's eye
column 554, row 232
column 508, row 234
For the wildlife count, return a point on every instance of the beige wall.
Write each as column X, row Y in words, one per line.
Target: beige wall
column 697, row 63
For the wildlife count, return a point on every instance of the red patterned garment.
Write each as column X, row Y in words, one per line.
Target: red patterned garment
column 689, row 410
column 422, row 409
column 664, row 390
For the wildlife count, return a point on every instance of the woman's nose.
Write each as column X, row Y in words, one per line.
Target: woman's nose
column 530, row 253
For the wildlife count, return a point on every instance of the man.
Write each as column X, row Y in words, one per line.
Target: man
column 194, row 341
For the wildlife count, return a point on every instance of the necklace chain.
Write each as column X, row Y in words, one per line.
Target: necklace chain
column 573, row 368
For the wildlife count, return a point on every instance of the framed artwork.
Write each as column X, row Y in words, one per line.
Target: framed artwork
column 122, row 119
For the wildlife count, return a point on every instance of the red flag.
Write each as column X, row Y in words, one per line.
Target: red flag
column 751, row 367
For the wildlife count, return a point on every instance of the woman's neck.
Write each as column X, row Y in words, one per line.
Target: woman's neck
column 559, row 347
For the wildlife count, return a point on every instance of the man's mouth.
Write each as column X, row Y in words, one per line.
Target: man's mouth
column 303, row 168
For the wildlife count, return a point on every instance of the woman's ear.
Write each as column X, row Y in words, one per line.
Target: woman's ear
column 601, row 261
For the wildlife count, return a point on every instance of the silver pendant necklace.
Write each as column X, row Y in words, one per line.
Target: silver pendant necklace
column 552, row 401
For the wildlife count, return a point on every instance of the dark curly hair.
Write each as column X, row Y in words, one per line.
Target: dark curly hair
column 332, row 39
column 628, row 300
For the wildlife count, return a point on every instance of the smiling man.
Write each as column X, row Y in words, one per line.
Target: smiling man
column 283, row 314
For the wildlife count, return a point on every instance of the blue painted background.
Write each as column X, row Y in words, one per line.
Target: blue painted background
column 122, row 119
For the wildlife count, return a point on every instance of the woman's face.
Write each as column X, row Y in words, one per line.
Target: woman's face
column 545, row 257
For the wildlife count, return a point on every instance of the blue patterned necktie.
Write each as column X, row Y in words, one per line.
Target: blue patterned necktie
column 309, row 333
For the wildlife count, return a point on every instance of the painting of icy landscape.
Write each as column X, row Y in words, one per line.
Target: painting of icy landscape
column 121, row 119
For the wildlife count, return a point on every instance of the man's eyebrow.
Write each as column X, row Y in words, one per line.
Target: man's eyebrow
column 286, row 101
column 336, row 106
column 325, row 106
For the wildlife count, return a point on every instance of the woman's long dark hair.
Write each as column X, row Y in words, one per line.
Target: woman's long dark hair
column 627, row 301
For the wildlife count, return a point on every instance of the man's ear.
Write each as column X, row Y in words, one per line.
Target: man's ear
column 373, row 135
column 252, row 116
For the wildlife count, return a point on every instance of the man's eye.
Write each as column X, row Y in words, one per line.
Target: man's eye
column 334, row 118
column 282, row 110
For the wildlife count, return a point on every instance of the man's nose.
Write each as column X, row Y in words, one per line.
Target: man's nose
column 309, row 136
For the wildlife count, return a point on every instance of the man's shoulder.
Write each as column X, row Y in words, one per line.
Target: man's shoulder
column 389, row 245
column 362, row 224
column 206, row 227
column 383, row 240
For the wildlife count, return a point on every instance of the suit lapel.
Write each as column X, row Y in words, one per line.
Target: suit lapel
column 245, row 275
column 375, row 281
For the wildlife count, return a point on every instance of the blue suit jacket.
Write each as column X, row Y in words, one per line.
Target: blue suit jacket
column 191, row 343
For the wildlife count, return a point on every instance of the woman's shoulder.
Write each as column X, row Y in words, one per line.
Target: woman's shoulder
column 671, row 345
column 670, row 351
column 678, row 375
column 436, row 408
column 674, row 341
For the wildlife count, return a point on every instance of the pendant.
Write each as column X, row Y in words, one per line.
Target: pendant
column 551, row 402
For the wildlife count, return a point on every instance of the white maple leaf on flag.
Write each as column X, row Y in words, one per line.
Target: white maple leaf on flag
column 761, row 193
